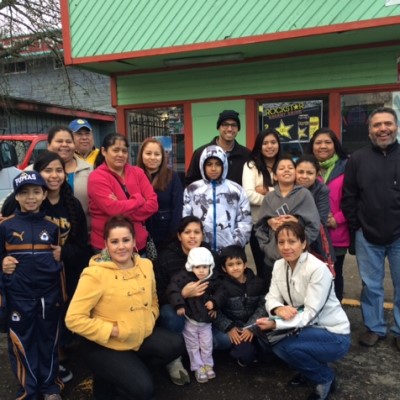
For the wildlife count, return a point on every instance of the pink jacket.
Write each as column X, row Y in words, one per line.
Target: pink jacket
column 340, row 235
column 107, row 198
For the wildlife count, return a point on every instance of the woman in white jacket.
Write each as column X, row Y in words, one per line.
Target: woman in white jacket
column 258, row 182
column 301, row 295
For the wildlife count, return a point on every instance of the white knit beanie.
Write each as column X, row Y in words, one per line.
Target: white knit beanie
column 199, row 256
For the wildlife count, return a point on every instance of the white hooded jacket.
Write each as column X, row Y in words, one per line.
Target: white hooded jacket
column 222, row 205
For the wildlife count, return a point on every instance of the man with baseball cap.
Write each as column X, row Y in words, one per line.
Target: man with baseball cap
column 228, row 125
column 84, row 141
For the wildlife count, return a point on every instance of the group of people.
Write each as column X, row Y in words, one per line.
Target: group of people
column 129, row 260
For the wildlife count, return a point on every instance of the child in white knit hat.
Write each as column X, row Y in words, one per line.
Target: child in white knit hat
column 199, row 311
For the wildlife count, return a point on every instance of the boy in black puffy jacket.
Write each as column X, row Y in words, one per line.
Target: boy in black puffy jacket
column 244, row 304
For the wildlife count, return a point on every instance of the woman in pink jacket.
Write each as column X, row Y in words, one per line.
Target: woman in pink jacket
column 332, row 158
column 116, row 187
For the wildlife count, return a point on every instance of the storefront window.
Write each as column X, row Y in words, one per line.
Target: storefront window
column 165, row 124
column 356, row 109
column 295, row 120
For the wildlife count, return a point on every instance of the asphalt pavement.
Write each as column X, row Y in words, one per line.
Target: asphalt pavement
column 365, row 373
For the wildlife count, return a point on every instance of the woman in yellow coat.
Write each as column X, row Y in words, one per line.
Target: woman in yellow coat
column 114, row 309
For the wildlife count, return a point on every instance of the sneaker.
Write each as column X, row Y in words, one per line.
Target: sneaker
column 323, row 391
column 210, row 372
column 370, row 339
column 54, row 396
column 64, row 374
column 201, row 375
column 177, row 372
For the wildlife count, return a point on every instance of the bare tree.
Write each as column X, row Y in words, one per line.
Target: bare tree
column 29, row 27
column 24, row 23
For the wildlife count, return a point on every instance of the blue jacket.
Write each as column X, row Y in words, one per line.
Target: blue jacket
column 28, row 237
column 163, row 225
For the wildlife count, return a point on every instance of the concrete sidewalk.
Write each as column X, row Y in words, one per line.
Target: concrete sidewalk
column 352, row 283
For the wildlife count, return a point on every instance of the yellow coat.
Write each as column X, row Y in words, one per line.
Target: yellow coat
column 107, row 295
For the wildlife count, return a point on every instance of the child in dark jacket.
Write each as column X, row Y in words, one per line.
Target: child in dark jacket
column 198, row 311
column 31, row 280
column 245, row 303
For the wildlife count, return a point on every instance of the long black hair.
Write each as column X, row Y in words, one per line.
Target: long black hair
column 66, row 194
column 109, row 141
column 258, row 159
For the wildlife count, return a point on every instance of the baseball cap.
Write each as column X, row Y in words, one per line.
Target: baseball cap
column 79, row 123
column 28, row 178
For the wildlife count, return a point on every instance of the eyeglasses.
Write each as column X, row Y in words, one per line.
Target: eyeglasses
column 227, row 125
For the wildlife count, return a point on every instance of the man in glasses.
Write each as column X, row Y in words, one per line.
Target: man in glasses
column 228, row 125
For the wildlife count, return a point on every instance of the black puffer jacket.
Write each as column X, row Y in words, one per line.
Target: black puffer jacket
column 195, row 306
column 244, row 304
column 169, row 262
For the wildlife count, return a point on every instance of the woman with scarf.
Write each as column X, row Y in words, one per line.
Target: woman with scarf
column 327, row 149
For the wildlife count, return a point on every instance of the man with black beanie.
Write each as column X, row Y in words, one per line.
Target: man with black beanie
column 228, row 125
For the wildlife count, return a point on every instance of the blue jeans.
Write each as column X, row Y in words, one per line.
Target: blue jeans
column 170, row 320
column 311, row 350
column 371, row 266
column 221, row 340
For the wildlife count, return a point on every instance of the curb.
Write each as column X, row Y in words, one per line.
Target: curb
column 356, row 303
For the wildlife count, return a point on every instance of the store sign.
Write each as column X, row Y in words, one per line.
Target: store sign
column 295, row 121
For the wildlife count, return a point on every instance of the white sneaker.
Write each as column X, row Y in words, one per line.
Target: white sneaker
column 210, row 372
column 177, row 372
column 201, row 375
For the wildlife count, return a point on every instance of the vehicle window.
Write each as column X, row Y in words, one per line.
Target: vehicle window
column 39, row 148
column 21, row 147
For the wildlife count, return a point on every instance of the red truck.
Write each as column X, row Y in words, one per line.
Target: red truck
column 16, row 153
column 28, row 147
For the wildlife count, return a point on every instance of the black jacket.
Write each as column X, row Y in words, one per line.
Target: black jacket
column 244, row 304
column 169, row 262
column 236, row 159
column 195, row 306
column 371, row 193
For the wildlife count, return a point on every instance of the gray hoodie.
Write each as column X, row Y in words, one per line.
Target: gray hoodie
column 301, row 204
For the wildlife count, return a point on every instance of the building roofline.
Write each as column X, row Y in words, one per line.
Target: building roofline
column 270, row 37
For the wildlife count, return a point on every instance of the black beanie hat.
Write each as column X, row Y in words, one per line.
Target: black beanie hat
column 228, row 114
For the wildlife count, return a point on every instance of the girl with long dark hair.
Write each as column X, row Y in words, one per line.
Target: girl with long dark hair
column 258, row 182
